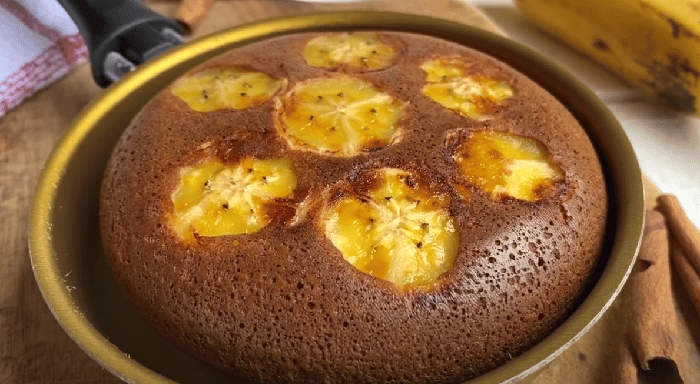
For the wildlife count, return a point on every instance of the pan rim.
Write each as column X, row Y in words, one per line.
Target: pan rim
column 629, row 218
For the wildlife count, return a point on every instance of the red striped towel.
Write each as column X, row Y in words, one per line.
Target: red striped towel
column 39, row 44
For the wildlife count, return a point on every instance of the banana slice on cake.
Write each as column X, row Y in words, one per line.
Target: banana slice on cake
column 401, row 231
column 503, row 164
column 360, row 50
column 472, row 96
column 216, row 199
column 339, row 116
column 226, row 88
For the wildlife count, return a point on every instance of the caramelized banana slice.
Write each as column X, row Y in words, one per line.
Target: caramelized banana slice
column 470, row 95
column 226, row 88
column 362, row 50
column 401, row 231
column 214, row 199
column 503, row 164
column 339, row 116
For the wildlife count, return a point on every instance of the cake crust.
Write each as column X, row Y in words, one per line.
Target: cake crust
column 282, row 305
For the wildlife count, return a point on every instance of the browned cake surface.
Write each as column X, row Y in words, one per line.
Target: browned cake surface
column 282, row 305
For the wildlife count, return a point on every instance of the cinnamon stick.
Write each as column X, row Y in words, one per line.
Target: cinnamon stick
column 652, row 324
column 682, row 228
column 689, row 277
column 190, row 13
column 625, row 371
column 685, row 249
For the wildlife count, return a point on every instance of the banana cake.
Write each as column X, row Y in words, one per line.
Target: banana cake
column 354, row 207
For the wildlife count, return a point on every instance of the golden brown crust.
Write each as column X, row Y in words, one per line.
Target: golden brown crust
column 281, row 305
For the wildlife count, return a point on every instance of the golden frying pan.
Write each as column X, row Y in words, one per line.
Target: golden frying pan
column 65, row 243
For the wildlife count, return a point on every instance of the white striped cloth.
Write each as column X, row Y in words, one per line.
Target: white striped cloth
column 39, row 44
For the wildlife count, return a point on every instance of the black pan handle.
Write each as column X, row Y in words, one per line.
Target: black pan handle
column 120, row 34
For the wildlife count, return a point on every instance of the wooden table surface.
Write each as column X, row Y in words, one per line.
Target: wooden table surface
column 34, row 348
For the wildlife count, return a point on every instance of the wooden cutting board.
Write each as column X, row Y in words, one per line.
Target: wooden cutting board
column 34, row 348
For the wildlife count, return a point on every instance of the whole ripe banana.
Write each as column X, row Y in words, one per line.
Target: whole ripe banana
column 653, row 44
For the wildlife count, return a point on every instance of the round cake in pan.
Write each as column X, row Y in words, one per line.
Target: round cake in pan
column 354, row 207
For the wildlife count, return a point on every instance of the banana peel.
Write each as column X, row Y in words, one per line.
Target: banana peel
column 652, row 44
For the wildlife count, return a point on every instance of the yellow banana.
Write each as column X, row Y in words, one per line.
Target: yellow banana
column 652, row 44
